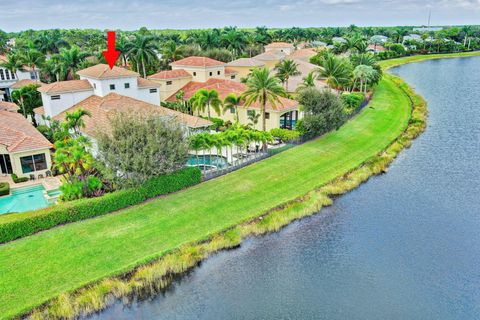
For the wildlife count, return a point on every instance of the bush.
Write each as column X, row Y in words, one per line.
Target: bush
column 352, row 101
column 16, row 179
column 14, row 226
column 284, row 134
column 217, row 123
column 4, row 188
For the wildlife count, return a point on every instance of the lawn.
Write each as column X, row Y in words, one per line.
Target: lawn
column 417, row 58
column 40, row 267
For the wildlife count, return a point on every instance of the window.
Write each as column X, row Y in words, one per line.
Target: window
column 218, row 72
column 112, row 87
column 267, row 115
column 153, row 90
column 2, row 75
column 194, row 74
column 232, row 77
column 232, row 110
column 7, row 74
column 127, row 85
column 33, row 163
column 169, row 83
column 5, row 164
column 94, row 86
column 250, row 112
column 55, row 97
column 13, row 75
column 211, row 74
column 33, row 75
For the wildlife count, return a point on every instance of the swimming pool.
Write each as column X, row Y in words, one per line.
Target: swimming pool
column 24, row 199
column 207, row 162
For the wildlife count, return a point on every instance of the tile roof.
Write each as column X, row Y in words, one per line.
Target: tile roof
column 25, row 82
column 304, row 67
column 170, row 74
column 66, row 86
column 245, row 62
column 270, row 56
column 103, row 108
column 225, row 87
column 144, row 83
column 195, row 61
column 375, row 47
column 229, row 71
column 303, row 54
column 103, row 71
column 18, row 134
column 39, row 110
column 279, row 45
column 8, row 106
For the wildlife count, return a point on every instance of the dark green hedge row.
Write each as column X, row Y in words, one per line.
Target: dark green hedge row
column 35, row 221
column 4, row 188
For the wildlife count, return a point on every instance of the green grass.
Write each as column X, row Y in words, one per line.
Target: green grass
column 36, row 269
column 386, row 64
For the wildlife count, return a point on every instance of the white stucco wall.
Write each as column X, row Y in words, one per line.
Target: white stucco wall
column 202, row 74
column 67, row 100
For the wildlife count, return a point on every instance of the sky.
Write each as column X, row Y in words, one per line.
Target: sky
column 188, row 14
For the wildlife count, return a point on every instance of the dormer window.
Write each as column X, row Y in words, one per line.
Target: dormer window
column 153, row 90
column 57, row 97
column 127, row 85
column 112, row 87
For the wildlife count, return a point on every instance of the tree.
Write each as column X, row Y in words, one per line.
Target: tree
column 263, row 88
column 286, row 69
column 32, row 58
column 323, row 111
column 143, row 51
column 206, row 99
column 337, row 71
column 364, row 74
column 253, row 117
column 171, row 52
column 74, row 120
column 28, row 98
column 12, row 63
column 232, row 101
column 308, row 81
column 70, row 59
column 50, row 42
column 140, row 146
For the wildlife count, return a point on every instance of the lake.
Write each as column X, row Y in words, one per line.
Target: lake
column 404, row 245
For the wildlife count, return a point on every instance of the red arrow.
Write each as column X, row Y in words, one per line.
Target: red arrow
column 111, row 55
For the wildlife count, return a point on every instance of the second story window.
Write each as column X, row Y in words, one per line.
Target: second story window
column 194, row 74
column 112, row 87
column 232, row 110
column 232, row 77
column 94, row 86
column 33, row 75
column 211, row 74
column 127, row 85
column 7, row 74
column 169, row 83
column 218, row 72
column 57, row 97
column 153, row 90
column 2, row 75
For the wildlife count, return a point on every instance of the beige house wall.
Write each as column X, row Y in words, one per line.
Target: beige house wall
column 271, row 64
column 166, row 90
column 242, row 71
column 202, row 74
column 16, row 165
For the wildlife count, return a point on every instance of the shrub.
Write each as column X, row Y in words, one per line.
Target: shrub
column 4, row 188
column 16, row 179
column 217, row 123
column 14, row 226
column 352, row 101
column 284, row 134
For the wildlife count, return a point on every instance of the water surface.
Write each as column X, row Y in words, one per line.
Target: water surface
column 405, row 245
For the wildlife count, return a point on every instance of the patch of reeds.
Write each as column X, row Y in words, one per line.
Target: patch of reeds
column 154, row 277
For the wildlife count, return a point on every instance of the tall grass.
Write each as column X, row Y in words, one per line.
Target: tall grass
column 154, row 277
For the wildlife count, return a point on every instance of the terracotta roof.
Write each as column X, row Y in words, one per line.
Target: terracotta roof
column 195, row 61
column 303, row 54
column 245, row 62
column 170, row 74
column 66, row 86
column 8, row 106
column 375, row 47
column 224, row 87
column 229, row 71
column 304, row 67
column 18, row 134
column 103, row 108
column 279, row 45
column 25, row 82
column 270, row 56
column 39, row 110
column 144, row 83
column 103, row 71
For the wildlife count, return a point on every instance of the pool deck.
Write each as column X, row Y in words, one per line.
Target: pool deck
column 49, row 183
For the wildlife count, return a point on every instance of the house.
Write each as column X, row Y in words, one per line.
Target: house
column 304, row 67
column 283, row 115
column 102, row 109
column 302, row 54
column 24, row 151
column 375, row 48
column 243, row 66
column 8, row 106
column 98, row 80
column 8, row 78
column 283, row 47
column 201, row 68
column 270, row 58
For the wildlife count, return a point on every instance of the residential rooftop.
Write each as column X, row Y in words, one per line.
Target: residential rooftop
column 8, row 106
column 270, row 56
column 17, row 134
column 170, row 74
column 279, row 44
column 66, row 86
column 302, row 54
column 103, row 71
column 195, row 61
column 245, row 62
column 25, row 82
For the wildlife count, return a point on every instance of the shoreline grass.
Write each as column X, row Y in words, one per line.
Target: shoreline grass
column 110, row 278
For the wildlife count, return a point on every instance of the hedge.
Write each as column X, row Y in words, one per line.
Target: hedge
column 19, row 225
column 4, row 188
column 16, row 179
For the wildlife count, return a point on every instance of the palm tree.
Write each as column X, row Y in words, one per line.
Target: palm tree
column 70, row 59
column 263, row 88
column 308, row 81
column 336, row 70
column 74, row 120
column 50, row 42
column 232, row 101
column 286, row 69
column 32, row 58
column 206, row 99
column 253, row 117
column 365, row 74
column 233, row 40
column 143, row 51
column 12, row 63
column 171, row 52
